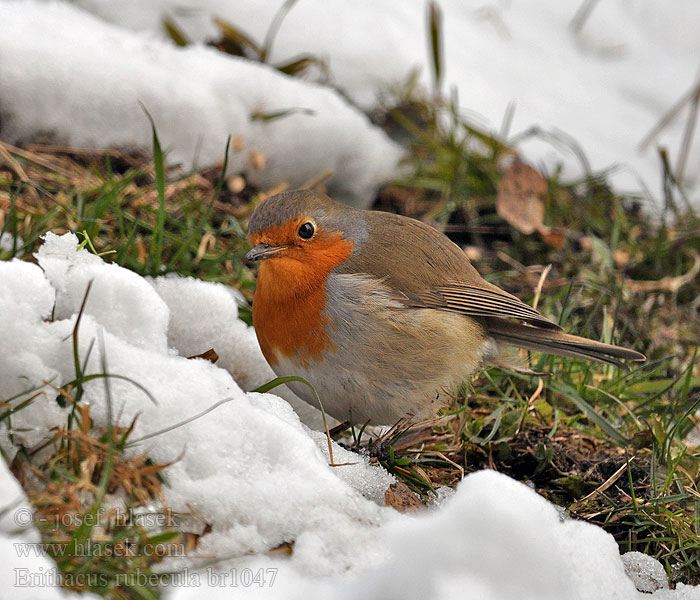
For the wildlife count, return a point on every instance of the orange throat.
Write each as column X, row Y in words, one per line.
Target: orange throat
column 289, row 303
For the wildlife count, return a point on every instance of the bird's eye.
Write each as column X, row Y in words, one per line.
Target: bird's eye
column 306, row 231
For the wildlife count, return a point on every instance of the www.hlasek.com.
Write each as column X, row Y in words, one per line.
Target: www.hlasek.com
column 245, row 577
column 91, row 548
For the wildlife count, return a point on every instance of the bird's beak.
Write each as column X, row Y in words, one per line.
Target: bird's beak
column 263, row 251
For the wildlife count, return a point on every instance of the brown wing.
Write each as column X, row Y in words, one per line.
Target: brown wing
column 426, row 269
column 482, row 302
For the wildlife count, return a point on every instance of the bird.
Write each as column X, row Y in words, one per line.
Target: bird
column 381, row 313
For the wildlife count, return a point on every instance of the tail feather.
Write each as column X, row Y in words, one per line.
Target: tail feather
column 556, row 342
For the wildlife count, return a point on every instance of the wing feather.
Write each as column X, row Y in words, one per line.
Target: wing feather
column 477, row 301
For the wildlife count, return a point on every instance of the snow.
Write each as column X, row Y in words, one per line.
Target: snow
column 254, row 472
column 25, row 301
column 70, row 78
column 15, row 512
column 205, row 315
column 604, row 87
column 143, row 324
column 352, row 469
column 495, row 539
column 647, row 573
column 9, row 241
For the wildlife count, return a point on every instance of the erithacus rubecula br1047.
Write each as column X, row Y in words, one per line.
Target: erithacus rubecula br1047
column 380, row 312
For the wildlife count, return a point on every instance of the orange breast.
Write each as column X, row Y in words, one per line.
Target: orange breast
column 288, row 308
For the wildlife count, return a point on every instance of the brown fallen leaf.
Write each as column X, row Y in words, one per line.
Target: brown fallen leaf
column 553, row 237
column 521, row 202
column 206, row 244
column 521, row 197
column 284, row 549
column 400, row 497
column 209, row 355
column 192, row 540
column 141, row 248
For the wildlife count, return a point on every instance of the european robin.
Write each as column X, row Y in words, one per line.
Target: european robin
column 380, row 312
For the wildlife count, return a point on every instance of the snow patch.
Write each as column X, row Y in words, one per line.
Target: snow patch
column 70, row 78
column 647, row 573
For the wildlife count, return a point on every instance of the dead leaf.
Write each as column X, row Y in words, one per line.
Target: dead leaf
column 400, row 497
column 209, row 355
column 284, row 549
column 521, row 198
column 85, row 420
column 553, row 237
column 141, row 248
column 207, row 244
column 192, row 540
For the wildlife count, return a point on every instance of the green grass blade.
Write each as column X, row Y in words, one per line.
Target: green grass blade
column 435, row 31
column 594, row 416
column 156, row 249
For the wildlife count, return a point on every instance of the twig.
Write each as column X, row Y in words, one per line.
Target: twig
column 669, row 116
column 317, row 180
column 688, row 135
column 669, row 284
column 606, row 484
column 35, row 158
column 582, row 15
column 540, row 283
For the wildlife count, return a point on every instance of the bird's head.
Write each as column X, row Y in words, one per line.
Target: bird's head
column 304, row 232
